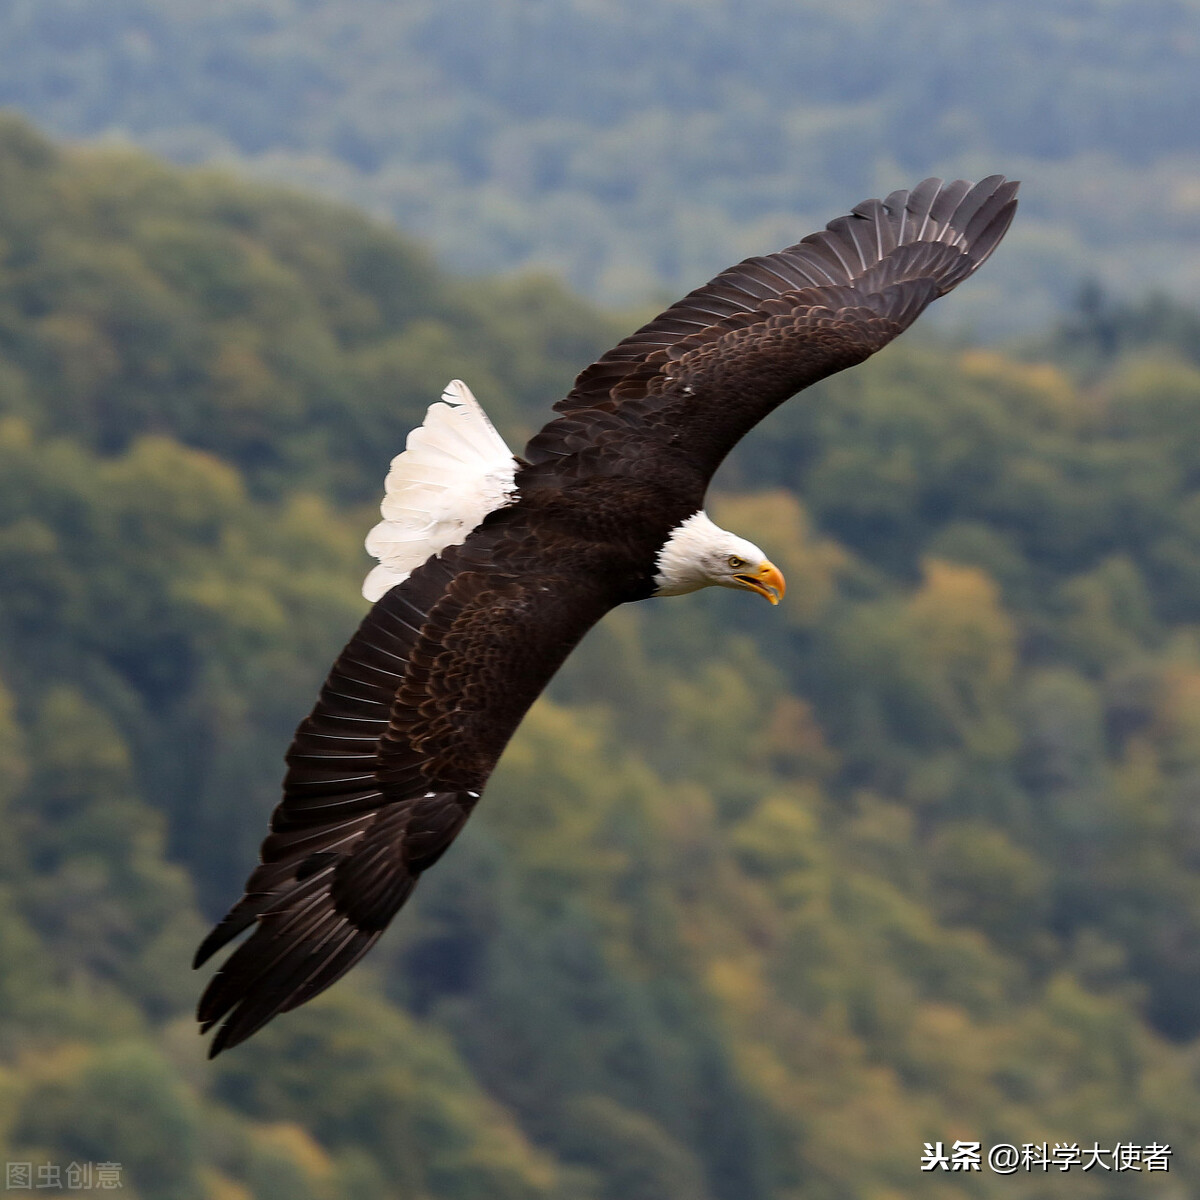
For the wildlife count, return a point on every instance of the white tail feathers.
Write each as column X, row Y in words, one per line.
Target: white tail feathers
column 455, row 469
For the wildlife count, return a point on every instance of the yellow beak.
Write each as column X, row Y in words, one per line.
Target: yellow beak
column 766, row 581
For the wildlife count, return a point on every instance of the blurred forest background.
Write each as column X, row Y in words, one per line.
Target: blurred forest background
column 637, row 146
column 760, row 899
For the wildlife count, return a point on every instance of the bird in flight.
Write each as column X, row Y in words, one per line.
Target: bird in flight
column 492, row 568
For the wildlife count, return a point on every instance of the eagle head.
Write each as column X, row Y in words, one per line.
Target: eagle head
column 701, row 554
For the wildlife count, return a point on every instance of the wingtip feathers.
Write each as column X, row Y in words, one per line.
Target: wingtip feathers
column 860, row 248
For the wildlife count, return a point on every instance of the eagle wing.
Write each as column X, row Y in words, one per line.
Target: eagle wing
column 700, row 375
column 387, row 768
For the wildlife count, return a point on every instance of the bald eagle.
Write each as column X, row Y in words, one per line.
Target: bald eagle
column 493, row 568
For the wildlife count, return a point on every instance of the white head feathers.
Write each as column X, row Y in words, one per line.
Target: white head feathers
column 700, row 554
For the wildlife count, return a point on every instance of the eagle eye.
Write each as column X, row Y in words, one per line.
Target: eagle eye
column 736, row 563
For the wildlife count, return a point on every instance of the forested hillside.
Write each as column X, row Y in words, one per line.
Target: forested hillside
column 634, row 146
column 759, row 901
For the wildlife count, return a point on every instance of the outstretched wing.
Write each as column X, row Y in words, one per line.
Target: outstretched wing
column 699, row 376
column 386, row 770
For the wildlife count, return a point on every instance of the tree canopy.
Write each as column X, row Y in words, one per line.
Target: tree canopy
column 639, row 146
column 759, row 900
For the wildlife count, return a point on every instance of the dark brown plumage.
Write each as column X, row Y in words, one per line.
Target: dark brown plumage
column 421, row 703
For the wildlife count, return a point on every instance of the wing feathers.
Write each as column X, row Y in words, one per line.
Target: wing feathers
column 386, row 770
column 849, row 289
column 946, row 202
column 919, row 203
column 327, row 810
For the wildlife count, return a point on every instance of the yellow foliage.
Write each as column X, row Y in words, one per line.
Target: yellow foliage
column 289, row 1141
column 535, row 801
column 1040, row 391
column 15, row 434
column 738, row 984
column 781, row 834
column 220, row 1187
column 292, row 1140
column 1178, row 711
column 966, row 644
column 958, row 616
column 174, row 489
column 53, row 1064
column 1155, row 391
column 247, row 604
column 13, row 767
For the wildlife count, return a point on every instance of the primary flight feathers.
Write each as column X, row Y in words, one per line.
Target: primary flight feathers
column 491, row 570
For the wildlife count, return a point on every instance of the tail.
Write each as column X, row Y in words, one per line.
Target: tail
column 454, row 470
